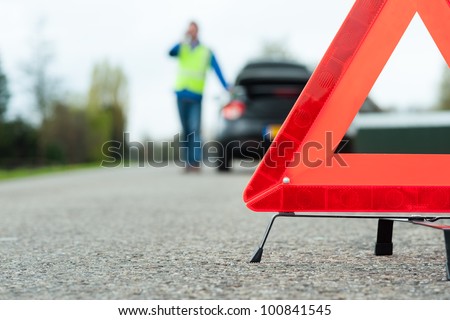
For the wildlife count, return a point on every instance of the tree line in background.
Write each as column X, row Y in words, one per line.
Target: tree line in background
column 70, row 129
column 444, row 99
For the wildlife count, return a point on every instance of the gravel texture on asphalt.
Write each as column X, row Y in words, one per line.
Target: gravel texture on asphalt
column 157, row 233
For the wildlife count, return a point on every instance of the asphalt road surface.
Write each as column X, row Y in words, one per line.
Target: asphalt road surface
column 152, row 233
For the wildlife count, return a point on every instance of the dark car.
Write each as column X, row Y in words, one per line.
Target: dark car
column 262, row 97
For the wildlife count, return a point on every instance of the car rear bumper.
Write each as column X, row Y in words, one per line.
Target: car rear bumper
column 244, row 138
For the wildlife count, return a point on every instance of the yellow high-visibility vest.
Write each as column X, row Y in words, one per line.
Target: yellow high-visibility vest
column 193, row 65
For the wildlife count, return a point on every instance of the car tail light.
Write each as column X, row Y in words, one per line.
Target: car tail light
column 234, row 110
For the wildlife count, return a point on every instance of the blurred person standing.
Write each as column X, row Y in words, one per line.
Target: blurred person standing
column 194, row 60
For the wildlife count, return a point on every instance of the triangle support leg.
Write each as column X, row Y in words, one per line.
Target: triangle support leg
column 384, row 246
column 447, row 249
column 257, row 255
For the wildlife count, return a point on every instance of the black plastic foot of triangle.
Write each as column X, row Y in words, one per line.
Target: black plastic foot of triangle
column 383, row 249
column 257, row 255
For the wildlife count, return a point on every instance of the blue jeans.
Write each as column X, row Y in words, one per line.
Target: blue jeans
column 190, row 116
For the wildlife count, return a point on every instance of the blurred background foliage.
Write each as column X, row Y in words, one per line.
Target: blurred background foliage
column 68, row 130
column 444, row 101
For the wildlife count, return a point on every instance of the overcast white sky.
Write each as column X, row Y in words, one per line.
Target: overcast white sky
column 137, row 34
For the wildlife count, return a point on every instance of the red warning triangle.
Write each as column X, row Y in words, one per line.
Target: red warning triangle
column 300, row 172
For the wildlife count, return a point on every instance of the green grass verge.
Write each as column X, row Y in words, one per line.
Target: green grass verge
column 28, row 172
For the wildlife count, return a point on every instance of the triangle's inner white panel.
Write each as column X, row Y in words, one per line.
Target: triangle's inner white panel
column 411, row 70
